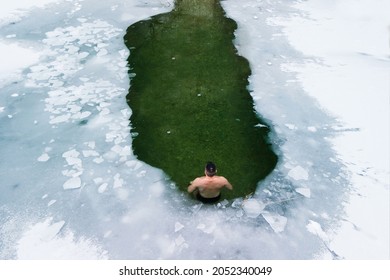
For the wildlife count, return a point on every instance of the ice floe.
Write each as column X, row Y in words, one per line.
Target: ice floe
column 298, row 173
column 276, row 221
column 44, row 157
column 304, row 191
column 72, row 183
column 253, row 207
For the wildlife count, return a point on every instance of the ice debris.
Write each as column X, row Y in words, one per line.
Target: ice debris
column 72, row 183
column 253, row 208
column 178, row 226
column 298, row 173
column 304, row 191
column 277, row 222
column 44, row 157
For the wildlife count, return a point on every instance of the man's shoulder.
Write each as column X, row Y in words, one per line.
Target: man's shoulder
column 221, row 178
column 199, row 179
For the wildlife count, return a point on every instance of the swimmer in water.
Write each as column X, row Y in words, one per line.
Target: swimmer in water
column 209, row 186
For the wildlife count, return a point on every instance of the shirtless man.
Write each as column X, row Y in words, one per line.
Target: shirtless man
column 209, row 186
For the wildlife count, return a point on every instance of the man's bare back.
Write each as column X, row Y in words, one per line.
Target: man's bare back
column 210, row 185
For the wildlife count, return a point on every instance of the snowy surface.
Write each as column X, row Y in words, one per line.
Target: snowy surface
column 72, row 188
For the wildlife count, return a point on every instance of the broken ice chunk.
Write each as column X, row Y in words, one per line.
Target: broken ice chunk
column 290, row 126
column 51, row 202
column 102, row 188
column 253, row 208
column 74, row 161
column 71, row 153
column 298, row 173
column 118, row 181
column 207, row 229
column 60, row 119
column 98, row 160
column 90, row 153
column 277, row 222
column 91, row 144
column 178, row 226
column 44, row 157
column 142, row 173
column 72, row 183
column 224, row 202
column 102, row 52
column 179, row 240
column 304, row 191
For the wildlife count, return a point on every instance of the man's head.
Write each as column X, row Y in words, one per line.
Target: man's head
column 210, row 169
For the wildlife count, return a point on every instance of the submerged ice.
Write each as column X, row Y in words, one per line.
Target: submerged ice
column 72, row 187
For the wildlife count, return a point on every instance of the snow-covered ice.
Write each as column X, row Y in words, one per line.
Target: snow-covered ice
column 39, row 240
column 72, row 188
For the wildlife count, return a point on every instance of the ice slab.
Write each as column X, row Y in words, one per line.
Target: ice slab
column 72, row 183
column 179, row 240
column 298, row 173
column 209, row 228
column 253, row 207
column 178, row 226
column 44, row 157
column 304, row 191
column 277, row 222
column 102, row 188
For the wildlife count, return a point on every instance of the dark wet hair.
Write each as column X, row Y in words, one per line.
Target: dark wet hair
column 211, row 169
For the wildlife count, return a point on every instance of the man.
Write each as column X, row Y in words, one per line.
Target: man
column 209, row 186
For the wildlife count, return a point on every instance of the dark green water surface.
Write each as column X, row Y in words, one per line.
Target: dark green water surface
column 189, row 98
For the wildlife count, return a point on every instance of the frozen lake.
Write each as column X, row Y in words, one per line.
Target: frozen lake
column 73, row 189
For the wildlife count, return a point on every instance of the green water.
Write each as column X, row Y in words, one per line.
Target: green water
column 189, row 98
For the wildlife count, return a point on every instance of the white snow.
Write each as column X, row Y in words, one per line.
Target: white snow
column 351, row 41
column 12, row 11
column 343, row 64
column 72, row 188
column 44, row 241
column 13, row 58
column 315, row 228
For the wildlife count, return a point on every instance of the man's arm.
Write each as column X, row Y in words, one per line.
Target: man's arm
column 228, row 185
column 192, row 186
